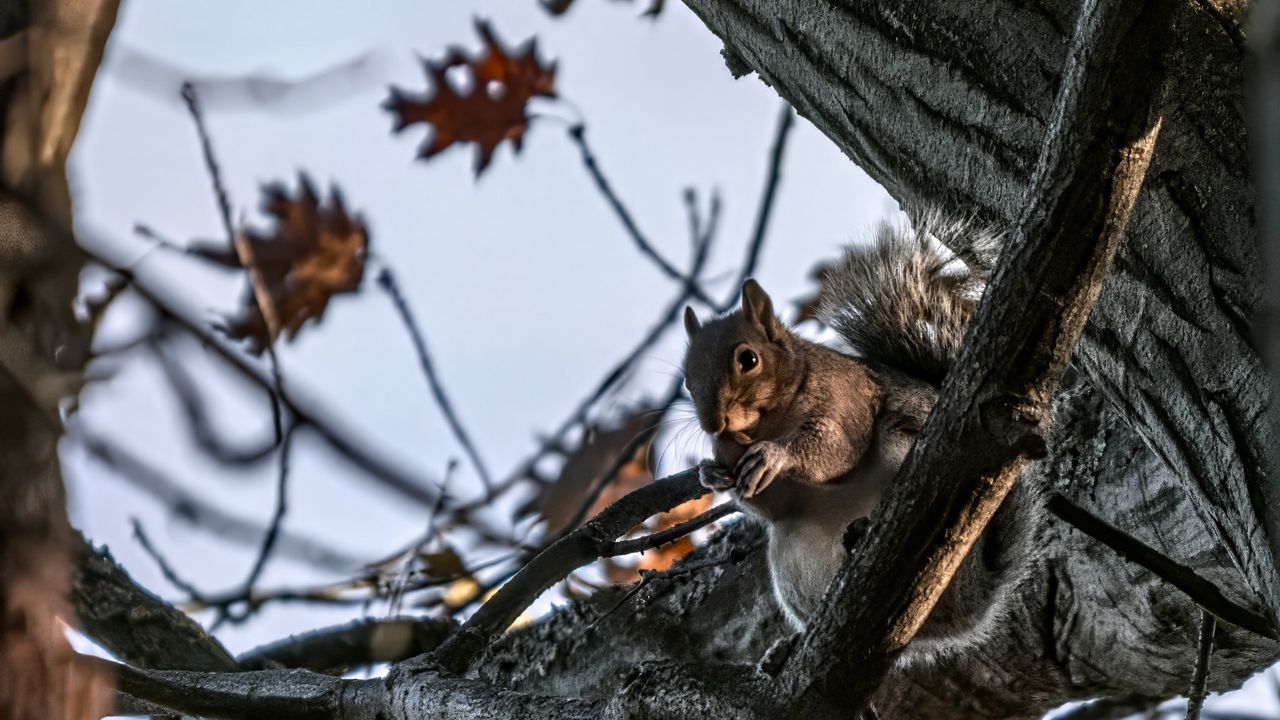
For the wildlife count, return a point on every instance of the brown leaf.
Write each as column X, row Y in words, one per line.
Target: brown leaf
column 556, row 8
column 663, row 557
column 491, row 110
column 316, row 251
column 443, row 564
column 808, row 307
column 560, row 499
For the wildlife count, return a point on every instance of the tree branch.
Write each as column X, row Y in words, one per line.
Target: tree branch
column 1204, row 653
column 990, row 418
column 584, row 545
column 304, row 410
column 134, row 624
column 193, row 510
column 387, row 281
column 1205, row 593
column 356, row 643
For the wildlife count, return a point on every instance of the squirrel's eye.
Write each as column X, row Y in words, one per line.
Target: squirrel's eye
column 747, row 360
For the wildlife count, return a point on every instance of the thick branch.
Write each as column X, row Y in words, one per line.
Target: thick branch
column 134, row 624
column 580, row 547
column 1204, row 592
column 990, row 419
column 356, row 643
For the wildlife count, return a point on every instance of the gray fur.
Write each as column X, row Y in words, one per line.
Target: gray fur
column 814, row 436
column 903, row 300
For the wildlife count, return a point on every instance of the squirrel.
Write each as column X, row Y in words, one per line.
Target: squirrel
column 808, row 438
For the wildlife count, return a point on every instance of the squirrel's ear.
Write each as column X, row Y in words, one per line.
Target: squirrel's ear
column 691, row 324
column 757, row 307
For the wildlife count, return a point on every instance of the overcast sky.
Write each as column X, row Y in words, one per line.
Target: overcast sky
column 525, row 284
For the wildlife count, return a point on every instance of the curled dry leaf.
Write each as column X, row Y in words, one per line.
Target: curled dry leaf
column 492, row 106
column 316, row 251
column 807, row 308
column 557, row 501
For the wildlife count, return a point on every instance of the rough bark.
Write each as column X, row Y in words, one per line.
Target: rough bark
column 1163, row 433
column 949, row 103
column 48, row 57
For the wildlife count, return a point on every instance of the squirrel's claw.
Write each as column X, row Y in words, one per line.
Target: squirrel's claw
column 714, row 476
column 759, row 467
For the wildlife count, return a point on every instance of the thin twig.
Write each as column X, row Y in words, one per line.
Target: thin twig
column 336, row 593
column 277, row 518
column 387, row 281
column 165, row 568
column 624, row 456
column 577, row 133
column 197, row 512
column 260, row 296
column 675, row 532
column 1204, row 653
column 664, row 323
column 211, row 161
column 1202, row 591
column 773, row 176
column 309, row 413
column 196, row 412
column 552, row 565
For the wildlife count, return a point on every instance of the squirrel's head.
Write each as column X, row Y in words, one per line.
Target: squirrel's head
column 740, row 367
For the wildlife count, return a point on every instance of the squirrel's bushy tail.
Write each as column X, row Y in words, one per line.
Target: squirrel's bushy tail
column 903, row 299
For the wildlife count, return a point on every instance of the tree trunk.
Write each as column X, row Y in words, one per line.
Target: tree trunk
column 49, row 54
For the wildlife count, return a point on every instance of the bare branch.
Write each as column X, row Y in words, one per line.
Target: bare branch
column 387, row 281
column 1204, row 592
column 1204, row 653
column 773, row 176
column 584, row 545
column 244, row 251
column 356, row 643
column 675, row 532
column 211, row 162
column 170, row 574
column 304, row 695
column 199, row 513
column 304, row 409
column 202, row 427
column 273, row 530
column 133, row 623
column 578, row 133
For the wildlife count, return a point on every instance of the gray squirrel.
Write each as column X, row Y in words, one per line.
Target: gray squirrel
column 808, row 438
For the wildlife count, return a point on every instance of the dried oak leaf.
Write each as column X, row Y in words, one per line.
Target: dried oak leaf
column 491, row 109
column 808, row 307
column 315, row 251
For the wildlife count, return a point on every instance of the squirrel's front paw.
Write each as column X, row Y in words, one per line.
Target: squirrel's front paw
column 759, row 467
column 714, row 476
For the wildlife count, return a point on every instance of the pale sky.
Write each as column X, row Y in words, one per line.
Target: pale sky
column 524, row 283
